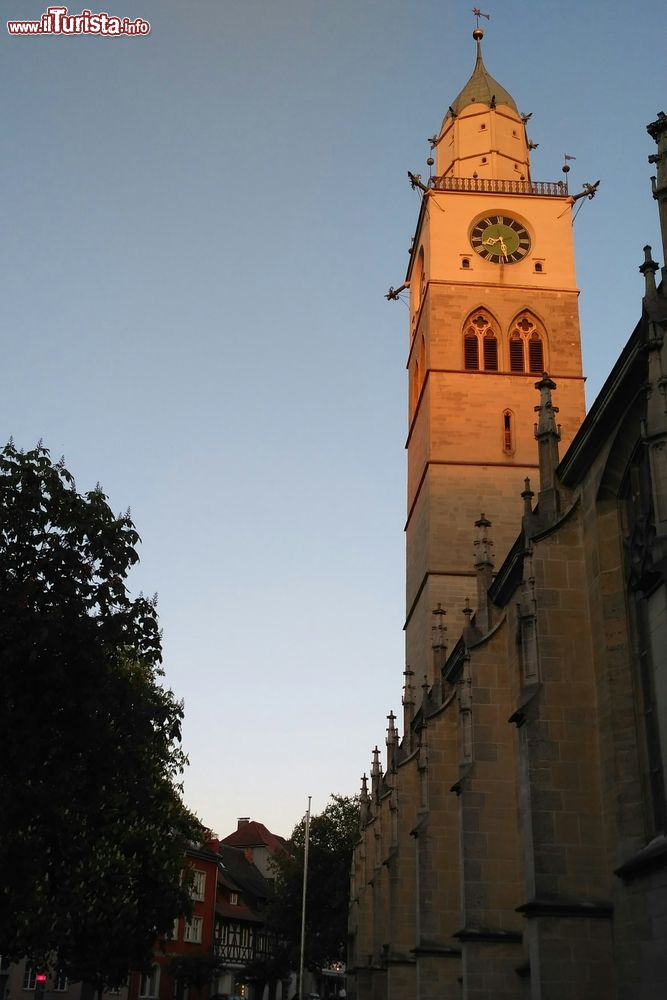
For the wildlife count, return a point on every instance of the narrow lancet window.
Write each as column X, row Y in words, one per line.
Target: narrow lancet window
column 508, row 432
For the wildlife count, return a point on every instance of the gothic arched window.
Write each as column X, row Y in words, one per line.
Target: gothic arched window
column 526, row 344
column 480, row 344
column 418, row 282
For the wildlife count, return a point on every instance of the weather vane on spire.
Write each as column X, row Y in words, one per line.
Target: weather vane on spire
column 478, row 13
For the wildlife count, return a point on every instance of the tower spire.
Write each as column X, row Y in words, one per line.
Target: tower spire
column 483, row 135
column 481, row 88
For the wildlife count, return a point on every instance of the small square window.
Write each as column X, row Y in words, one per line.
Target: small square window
column 234, row 898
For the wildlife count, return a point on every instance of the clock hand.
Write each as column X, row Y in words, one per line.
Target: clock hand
column 491, row 242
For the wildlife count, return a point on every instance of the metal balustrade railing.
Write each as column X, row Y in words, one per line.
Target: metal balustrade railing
column 552, row 189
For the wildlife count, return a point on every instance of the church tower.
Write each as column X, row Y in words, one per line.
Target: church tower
column 493, row 305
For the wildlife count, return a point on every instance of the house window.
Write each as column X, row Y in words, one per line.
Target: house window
column 465, row 263
column 538, row 267
column 60, row 983
column 198, row 885
column 29, row 977
column 193, row 930
column 150, row 984
column 234, row 898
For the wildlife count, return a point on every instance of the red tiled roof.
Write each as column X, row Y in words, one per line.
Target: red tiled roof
column 238, row 911
column 253, row 834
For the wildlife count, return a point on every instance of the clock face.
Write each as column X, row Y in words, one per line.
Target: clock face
column 500, row 239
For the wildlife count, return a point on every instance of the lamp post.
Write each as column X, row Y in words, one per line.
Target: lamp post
column 303, row 902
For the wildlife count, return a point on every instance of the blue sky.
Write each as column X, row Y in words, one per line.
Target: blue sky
column 199, row 228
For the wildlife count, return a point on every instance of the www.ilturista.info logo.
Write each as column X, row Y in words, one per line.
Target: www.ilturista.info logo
column 58, row 21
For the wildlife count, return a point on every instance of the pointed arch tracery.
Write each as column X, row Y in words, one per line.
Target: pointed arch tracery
column 480, row 342
column 527, row 344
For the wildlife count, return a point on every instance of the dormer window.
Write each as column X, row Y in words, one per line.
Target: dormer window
column 234, row 899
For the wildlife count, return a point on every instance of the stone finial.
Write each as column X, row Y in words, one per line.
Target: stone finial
column 547, row 434
column 527, row 615
column 658, row 132
column 392, row 741
column 364, row 803
column 438, row 643
column 426, row 692
column 408, row 701
column 484, row 568
column 376, row 773
column 527, row 497
column 529, row 521
column 483, row 544
column 655, row 423
column 648, row 269
column 546, row 423
column 469, row 631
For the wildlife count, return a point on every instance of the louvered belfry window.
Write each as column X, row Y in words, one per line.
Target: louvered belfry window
column 535, row 354
column 480, row 333
column 490, row 352
column 516, row 353
column 471, row 352
column 526, row 344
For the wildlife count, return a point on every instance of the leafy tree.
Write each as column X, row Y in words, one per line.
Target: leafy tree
column 268, row 972
column 93, row 827
column 193, row 972
column 333, row 835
